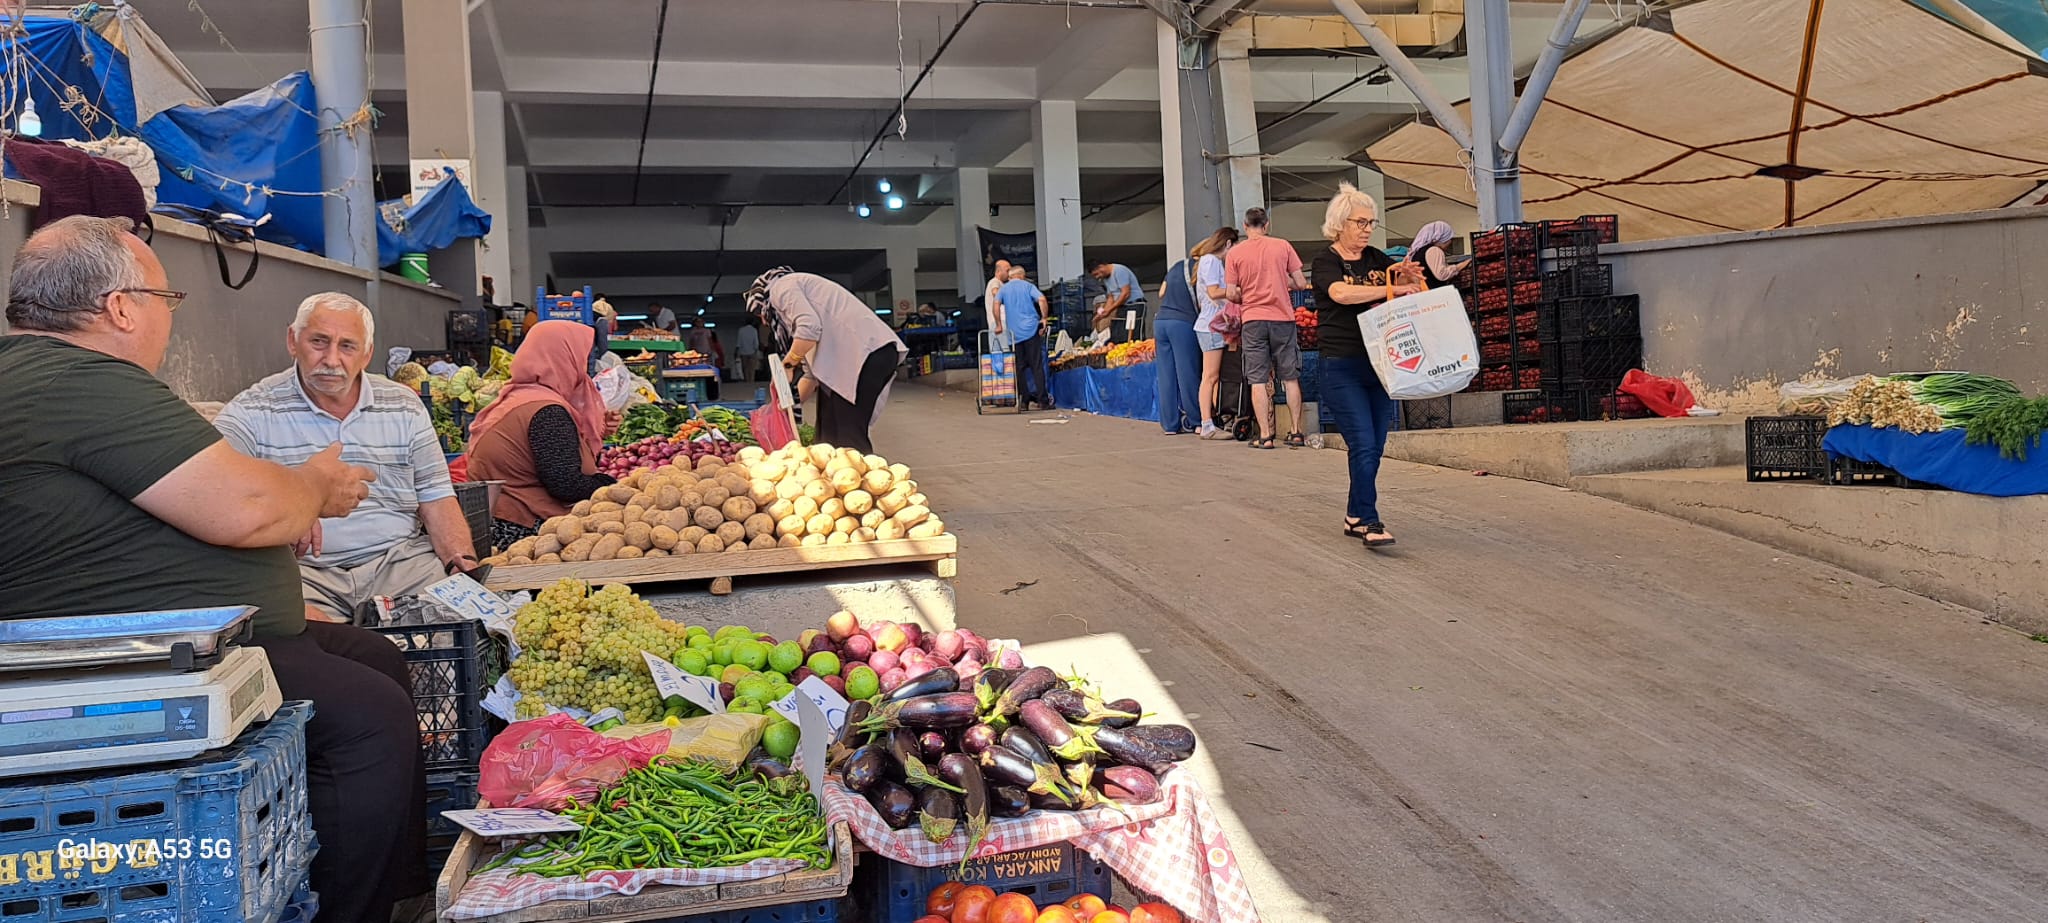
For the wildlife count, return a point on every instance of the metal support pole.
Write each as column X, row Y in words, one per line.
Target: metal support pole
column 1546, row 70
column 1446, row 116
column 339, row 34
column 1496, row 178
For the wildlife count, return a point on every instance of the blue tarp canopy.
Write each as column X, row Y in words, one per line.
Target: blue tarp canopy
column 251, row 156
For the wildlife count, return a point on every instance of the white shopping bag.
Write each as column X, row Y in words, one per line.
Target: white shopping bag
column 1422, row 344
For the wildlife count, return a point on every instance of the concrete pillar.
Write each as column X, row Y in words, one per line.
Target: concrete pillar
column 970, row 211
column 1170, row 148
column 1374, row 184
column 339, row 36
column 490, row 192
column 1056, row 176
column 902, row 278
column 518, row 239
column 1495, row 173
column 1240, row 119
column 439, row 116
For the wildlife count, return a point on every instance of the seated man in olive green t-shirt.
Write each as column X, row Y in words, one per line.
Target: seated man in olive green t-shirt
column 126, row 500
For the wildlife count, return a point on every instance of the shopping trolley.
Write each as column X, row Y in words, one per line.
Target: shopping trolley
column 998, row 376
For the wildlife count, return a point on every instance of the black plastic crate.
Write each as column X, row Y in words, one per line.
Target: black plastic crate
column 452, row 665
column 1580, row 318
column 1531, row 407
column 446, row 791
column 1606, row 229
column 891, row 892
column 1574, row 248
column 468, row 326
column 1849, row 471
column 475, row 500
column 1587, row 399
column 1589, row 280
column 1785, row 448
column 1510, row 239
column 1428, row 413
column 1599, row 359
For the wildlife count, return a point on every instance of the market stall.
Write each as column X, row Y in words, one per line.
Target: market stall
column 1954, row 430
column 1116, row 381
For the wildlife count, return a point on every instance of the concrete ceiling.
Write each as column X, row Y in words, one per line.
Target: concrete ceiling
column 768, row 104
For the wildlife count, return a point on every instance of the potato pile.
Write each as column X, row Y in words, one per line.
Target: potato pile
column 796, row 496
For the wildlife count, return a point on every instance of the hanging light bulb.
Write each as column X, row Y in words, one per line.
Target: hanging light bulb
column 707, row 299
column 883, row 186
column 700, row 312
column 29, row 124
column 895, row 203
column 863, row 211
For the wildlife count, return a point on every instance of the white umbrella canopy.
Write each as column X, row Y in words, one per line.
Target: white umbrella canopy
column 1730, row 115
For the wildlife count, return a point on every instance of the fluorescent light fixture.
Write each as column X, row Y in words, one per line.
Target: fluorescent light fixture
column 709, row 324
column 956, row 314
column 863, row 211
column 700, row 312
column 883, row 186
column 632, row 317
column 885, row 312
column 895, row 203
column 685, row 325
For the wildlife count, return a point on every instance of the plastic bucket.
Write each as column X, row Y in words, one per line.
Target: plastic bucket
column 413, row 266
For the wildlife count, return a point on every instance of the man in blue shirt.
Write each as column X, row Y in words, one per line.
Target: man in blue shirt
column 1120, row 289
column 1023, row 320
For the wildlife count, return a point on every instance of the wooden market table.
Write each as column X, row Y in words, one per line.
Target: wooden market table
column 719, row 568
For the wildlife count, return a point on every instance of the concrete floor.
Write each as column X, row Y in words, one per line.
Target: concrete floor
column 1541, row 706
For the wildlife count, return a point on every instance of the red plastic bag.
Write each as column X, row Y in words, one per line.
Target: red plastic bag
column 547, row 761
column 458, row 470
column 1666, row 397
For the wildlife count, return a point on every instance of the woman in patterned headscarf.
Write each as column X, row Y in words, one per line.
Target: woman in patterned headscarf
column 1427, row 249
column 850, row 352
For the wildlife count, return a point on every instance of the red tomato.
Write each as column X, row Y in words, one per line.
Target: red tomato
column 1085, row 905
column 971, row 905
column 1013, row 908
column 1155, row 912
column 1058, row 913
column 940, row 903
column 1110, row 916
column 933, row 919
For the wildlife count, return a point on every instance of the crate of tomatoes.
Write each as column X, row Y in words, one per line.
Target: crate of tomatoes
column 956, row 902
column 1305, row 327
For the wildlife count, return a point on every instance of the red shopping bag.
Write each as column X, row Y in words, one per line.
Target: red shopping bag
column 1666, row 397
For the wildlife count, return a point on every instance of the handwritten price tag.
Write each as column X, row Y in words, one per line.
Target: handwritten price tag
column 507, row 822
column 670, row 679
column 471, row 599
column 830, row 704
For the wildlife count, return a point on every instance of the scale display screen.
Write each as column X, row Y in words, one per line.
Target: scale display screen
column 88, row 723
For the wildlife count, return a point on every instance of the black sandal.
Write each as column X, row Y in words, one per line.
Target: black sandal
column 1296, row 440
column 1265, row 442
column 1380, row 528
column 1355, row 530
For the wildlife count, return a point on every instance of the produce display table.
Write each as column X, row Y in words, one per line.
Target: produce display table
column 1131, row 391
column 939, row 552
column 686, row 385
column 1944, row 458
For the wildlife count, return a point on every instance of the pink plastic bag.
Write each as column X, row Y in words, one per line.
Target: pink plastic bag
column 1666, row 397
column 547, row 761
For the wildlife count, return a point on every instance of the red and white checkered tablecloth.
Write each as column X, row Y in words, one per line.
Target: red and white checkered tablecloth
column 1174, row 848
column 500, row 890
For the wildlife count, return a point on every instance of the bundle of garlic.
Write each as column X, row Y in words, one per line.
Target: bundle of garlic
column 1883, row 402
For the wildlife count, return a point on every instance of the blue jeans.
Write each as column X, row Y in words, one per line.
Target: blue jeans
column 1365, row 414
column 1179, row 361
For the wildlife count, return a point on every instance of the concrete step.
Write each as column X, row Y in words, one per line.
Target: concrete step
column 1557, row 453
column 1982, row 552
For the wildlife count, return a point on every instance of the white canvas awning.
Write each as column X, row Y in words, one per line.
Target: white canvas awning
column 1894, row 111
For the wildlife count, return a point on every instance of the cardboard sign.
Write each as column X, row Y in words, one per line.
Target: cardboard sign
column 813, row 735
column 509, row 822
column 830, row 704
column 670, row 679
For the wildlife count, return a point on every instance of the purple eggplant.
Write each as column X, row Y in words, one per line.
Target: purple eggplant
column 1009, row 801
column 1131, row 751
column 1027, row 687
column 1083, row 707
column 989, row 685
column 1054, row 731
column 1012, row 768
column 904, row 747
column 1130, row 784
column 1026, row 743
column 926, row 712
column 1126, row 707
column 961, row 769
column 1176, row 739
column 768, row 767
column 895, row 803
column 977, row 739
column 933, row 683
column 865, row 768
column 938, row 814
column 931, row 745
column 1044, row 802
column 849, row 737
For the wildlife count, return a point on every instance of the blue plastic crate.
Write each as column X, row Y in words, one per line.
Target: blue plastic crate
column 892, row 892
column 231, row 833
column 826, row 911
column 304, row 907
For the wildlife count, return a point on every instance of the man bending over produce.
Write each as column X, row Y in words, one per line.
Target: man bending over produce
column 410, row 531
column 135, row 504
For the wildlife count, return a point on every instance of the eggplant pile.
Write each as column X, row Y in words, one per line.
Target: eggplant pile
column 944, row 754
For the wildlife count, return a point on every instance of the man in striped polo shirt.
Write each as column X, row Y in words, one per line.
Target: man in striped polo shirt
column 410, row 531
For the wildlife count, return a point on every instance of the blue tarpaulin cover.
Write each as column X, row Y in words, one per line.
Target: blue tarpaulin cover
column 1943, row 458
column 1131, row 391
column 443, row 215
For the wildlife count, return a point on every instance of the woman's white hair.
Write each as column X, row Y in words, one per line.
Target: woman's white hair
column 335, row 301
column 1347, row 200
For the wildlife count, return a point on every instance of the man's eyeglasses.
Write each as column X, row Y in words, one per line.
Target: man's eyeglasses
column 171, row 299
column 1363, row 224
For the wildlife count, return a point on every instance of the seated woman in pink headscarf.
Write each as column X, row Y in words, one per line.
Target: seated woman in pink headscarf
column 543, row 433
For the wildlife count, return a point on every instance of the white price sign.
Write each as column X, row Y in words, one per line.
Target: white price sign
column 506, row 822
column 469, row 597
column 670, row 679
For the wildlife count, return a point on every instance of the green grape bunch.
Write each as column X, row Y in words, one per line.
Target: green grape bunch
column 582, row 649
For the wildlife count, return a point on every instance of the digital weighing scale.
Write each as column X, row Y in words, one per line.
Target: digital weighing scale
column 120, row 690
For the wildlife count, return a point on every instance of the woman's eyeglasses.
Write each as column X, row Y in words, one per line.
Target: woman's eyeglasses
column 1363, row 224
